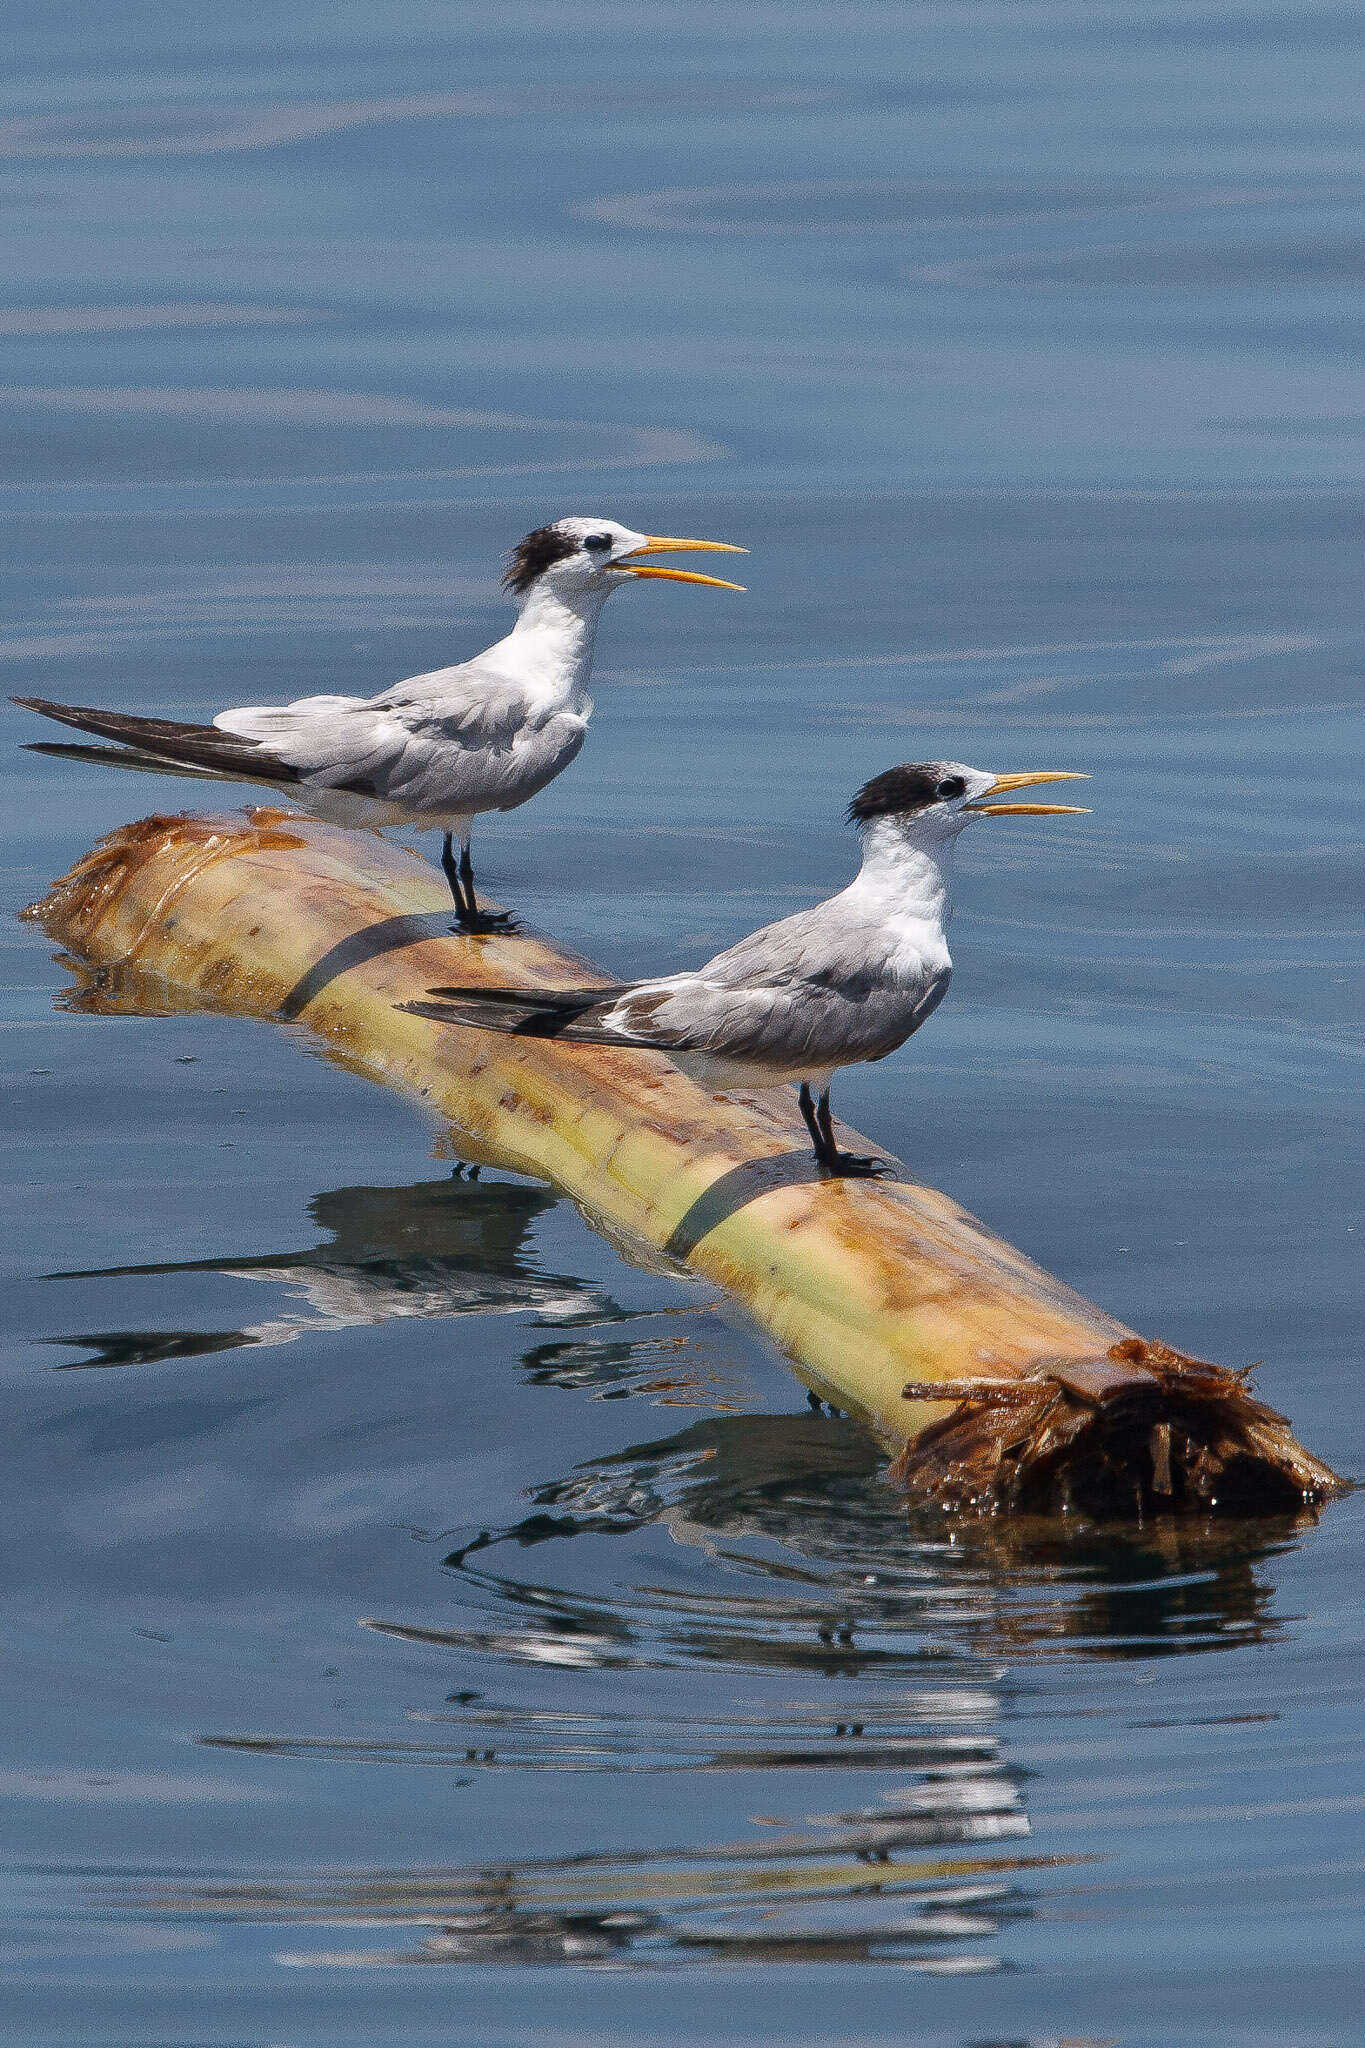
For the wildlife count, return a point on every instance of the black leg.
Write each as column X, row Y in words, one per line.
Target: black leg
column 452, row 875
column 838, row 1165
column 817, row 1136
column 460, row 875
column 468, row 916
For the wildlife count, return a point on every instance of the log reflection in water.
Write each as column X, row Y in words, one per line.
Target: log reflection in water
column 831, row 1640
column 665, row 1908
column 880, row 1592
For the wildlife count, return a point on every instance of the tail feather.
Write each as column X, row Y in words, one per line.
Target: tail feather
column 571, row 1001
column 129, row 757
column 228, row 755
column 573, row 1015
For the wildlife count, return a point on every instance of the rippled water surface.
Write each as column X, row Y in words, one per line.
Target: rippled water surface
column 420, row 1624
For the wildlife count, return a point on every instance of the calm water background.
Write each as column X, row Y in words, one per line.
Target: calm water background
column 421, row 1625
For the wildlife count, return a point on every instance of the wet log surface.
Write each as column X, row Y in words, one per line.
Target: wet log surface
column 997, row 1386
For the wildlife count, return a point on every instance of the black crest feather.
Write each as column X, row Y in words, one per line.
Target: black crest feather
column 898, row 792
column 534, row 555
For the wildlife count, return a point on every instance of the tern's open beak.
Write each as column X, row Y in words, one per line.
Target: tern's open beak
column 661, row 544
column 1004, row 782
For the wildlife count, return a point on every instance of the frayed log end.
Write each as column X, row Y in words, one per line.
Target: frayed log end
column 1176, row 1435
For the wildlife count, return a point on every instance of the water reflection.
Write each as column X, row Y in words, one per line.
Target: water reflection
column 159, row 131
column 836, row 1578
column 1203, row 264
column 453, row 1247
column 905, row 1869
column 97, row 433
column 843, row 206
column 829, row 1642
column 732, row 1903
column 928, row 1728
column 124, row 319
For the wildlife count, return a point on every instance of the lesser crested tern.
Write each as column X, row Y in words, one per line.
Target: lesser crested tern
column 846, row 981
column 438, row 749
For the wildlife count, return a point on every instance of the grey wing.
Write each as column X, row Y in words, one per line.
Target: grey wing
column 802, row 1021
column 455, row 741
column 679, row 1014
column 823, row 943
column 820, row 986
column 933, row 995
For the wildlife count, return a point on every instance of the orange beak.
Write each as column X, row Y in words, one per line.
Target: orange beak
column 661, row 544
column 1004, row 782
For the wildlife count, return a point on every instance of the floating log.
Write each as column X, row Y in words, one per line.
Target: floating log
column 995, row 1385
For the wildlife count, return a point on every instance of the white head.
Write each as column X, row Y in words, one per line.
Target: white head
column 923, row 805
column 584, row 560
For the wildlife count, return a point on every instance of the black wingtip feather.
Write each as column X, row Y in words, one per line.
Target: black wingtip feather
column 571, row 1000
column 126, row 757
column 519, row 1013
column 230, row 754
column 523, row 1022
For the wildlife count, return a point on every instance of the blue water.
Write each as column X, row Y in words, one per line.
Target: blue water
column 396, row 1578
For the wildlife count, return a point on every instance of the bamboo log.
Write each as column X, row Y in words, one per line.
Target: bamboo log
column 996, row 1385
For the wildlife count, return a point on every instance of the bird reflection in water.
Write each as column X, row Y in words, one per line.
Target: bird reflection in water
column 846, row 1643
column 452, row 1247
column 849, row 1544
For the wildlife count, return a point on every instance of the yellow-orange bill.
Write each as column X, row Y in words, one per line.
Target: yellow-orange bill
column 1030, row 810
column 681, row 575
column 1004, row 782
column 662, row 544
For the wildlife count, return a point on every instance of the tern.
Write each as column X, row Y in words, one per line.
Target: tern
column 846, row 981
column 439, row 748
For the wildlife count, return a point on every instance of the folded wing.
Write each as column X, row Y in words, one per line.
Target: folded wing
column 801, row 1021
column 459, row 739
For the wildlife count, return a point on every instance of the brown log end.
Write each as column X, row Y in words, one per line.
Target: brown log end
column 76, row 903
column 1181, row 1437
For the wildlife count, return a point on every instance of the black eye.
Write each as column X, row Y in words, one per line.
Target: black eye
column 597, row 540
column 951, row 785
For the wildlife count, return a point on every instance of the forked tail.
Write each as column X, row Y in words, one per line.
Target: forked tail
column 574, row 1014
column 160, row 744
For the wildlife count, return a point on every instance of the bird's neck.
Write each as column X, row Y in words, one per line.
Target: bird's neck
column 903, row 879
column 552, row 641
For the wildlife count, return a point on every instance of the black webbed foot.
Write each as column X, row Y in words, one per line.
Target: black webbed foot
column 855, row 1166
column 832, row 1162
column 473, row 924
